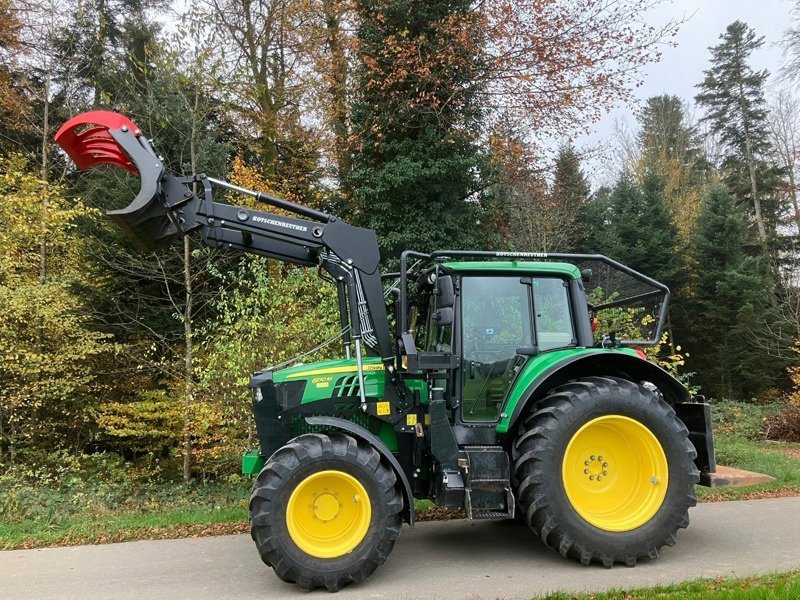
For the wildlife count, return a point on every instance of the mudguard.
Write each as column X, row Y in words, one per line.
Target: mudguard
column 695, row 415
column 360, row 432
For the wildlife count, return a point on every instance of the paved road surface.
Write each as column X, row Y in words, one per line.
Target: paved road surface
column 455, row 559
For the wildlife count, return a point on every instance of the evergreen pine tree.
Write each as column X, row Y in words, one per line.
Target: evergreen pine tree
column 570, row 186
column 592, row 220
column 663, row 131
column 638, row 229
column 544, row 218
column 418, row 172
column 733, row 95
column 727, row 291
column 568, row 196
column 671, row 147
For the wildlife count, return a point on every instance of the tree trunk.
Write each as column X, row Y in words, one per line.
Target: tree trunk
column 187, row 314
column 45, row 178
column 762, row 232
column 3, row 436
column 338, row 86
column 793, row 195
column 188, row 363
column 102, row 23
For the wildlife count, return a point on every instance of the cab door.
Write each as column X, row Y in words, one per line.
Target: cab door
column 496, row 322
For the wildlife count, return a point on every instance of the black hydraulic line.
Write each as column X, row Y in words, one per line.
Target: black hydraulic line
column 344, row 317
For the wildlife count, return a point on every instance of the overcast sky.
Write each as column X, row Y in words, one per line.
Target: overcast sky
column 681, row 67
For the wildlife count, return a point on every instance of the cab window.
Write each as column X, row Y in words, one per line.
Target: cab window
column 554, row 328
column 430, row 336
column 496, row 321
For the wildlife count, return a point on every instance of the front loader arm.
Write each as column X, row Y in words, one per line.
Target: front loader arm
column 169, row 206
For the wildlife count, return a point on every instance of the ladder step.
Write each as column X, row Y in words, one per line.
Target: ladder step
column 488, row 514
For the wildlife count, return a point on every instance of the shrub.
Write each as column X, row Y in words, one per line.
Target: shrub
column 51, row 488
column 741, row 419
column 784, row 426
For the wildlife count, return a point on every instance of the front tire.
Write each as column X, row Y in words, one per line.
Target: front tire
column 604, row 471
column 325, row 511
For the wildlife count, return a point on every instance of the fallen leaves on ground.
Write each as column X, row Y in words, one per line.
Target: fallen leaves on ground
column 433, row 513
column 135, row 534
column 785, row 492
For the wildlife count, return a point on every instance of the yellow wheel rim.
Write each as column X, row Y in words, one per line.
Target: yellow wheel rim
column 615, row 473
column 328, row 514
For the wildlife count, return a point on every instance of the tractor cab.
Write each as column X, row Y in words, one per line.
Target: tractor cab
column 498, row 316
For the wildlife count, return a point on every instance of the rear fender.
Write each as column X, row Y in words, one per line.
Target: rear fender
column 695, row 415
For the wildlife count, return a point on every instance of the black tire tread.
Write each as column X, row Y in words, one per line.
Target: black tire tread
column 535, row 431
column 301, row 451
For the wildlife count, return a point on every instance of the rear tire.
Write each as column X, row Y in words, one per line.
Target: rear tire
column 325, row 511
column 630, row 493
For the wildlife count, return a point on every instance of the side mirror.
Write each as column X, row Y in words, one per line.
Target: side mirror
column 443, row 316
column 445, row 296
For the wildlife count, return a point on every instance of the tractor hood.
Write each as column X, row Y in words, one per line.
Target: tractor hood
column 327, row 368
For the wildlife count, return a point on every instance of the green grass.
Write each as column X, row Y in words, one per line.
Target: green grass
column 738, row 443
column 178, row 511
column 123, row 527
column 776, row 586
column 759, row 456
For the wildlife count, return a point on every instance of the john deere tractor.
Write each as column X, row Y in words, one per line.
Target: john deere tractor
column 509, row 385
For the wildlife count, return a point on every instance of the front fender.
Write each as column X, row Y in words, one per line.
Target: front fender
column 365, row 435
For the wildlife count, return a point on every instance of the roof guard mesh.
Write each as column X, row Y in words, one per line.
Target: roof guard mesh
column 631, row 308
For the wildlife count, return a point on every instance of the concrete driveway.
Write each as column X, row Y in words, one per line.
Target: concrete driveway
column 454, row 559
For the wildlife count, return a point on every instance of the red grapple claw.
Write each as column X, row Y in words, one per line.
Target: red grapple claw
column 85, row 138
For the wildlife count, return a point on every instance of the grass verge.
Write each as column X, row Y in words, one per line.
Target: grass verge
column 159, row 525
column 123, row 528
column 759, row 456
column 776, row 586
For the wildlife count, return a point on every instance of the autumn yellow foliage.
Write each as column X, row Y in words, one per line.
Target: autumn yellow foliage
column 47, row 346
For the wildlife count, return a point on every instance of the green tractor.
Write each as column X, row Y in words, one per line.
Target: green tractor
column 508, row 385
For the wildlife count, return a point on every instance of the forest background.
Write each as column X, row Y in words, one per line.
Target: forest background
column 433, row 123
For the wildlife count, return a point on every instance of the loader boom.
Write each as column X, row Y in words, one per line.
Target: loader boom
column 170, row 206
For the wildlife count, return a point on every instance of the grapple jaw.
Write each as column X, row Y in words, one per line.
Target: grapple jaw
column 105, row 137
